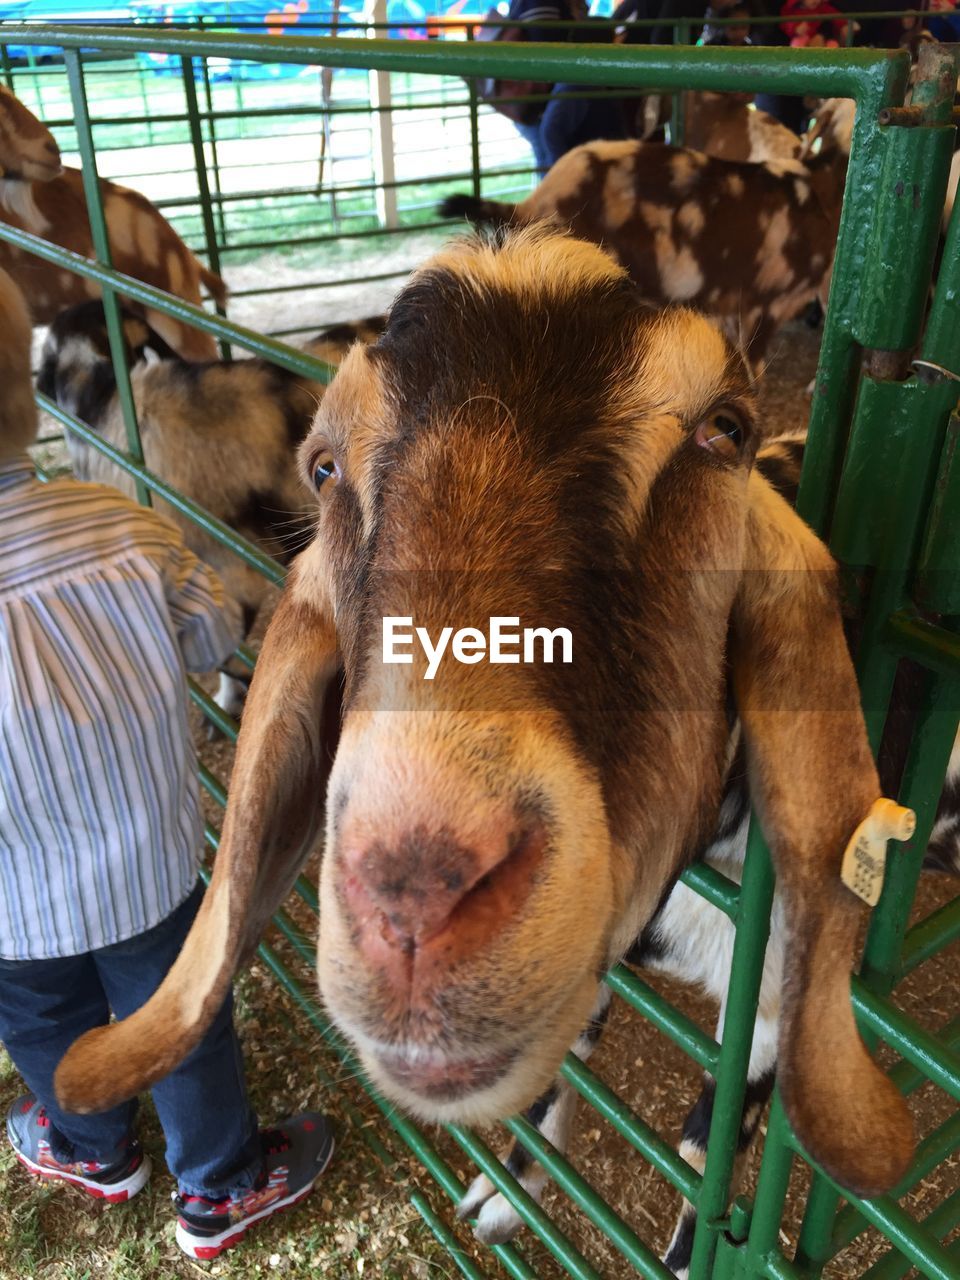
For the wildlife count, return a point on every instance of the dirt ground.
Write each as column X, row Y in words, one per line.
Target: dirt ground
column 360, row 1221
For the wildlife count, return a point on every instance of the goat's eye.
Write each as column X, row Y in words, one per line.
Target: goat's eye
column 723, row 434
column 325, row 468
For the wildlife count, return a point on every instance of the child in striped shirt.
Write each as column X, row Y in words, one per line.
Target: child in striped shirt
column 102, row 610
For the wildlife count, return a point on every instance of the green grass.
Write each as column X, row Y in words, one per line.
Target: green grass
column 127, row 89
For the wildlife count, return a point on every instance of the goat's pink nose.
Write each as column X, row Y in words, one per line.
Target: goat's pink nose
column 406, row 899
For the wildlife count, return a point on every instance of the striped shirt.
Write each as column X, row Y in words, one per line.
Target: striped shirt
column 102, row 607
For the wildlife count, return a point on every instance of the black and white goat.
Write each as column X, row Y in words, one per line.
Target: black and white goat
column 225, row 434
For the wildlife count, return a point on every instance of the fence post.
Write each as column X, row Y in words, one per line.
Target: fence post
column 101, row 245
column 212, row 140
column 678, row 123
column 384, row 159
column 200, row 164
column 474, row 124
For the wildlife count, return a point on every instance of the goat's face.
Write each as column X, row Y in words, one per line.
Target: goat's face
column 77, row 347
column 28, row 149
column 527, row 441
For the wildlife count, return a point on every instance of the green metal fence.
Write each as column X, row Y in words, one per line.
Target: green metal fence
column 881, row 481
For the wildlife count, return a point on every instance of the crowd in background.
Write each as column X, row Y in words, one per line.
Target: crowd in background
column 566, row 121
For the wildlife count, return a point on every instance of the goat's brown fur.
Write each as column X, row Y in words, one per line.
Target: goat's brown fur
column 728, row 127
column 749, row 243
column 557, row 477
column 142, row 244
column 28, row 149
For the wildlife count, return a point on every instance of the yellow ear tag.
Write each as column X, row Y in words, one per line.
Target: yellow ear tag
column 865, row 856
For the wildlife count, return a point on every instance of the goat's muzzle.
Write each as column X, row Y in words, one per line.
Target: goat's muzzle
column 427, row 902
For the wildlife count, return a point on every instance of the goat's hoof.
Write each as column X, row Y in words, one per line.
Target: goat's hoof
column 213, row 733
column 497, row 1220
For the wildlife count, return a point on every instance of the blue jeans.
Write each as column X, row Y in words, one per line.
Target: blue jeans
column 213, row 1146
column 568, row 122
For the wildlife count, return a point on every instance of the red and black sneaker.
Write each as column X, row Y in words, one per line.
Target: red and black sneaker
column 294, row 1156
column 115, row 1180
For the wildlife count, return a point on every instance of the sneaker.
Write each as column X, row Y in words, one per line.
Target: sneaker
column 294, row 1157
column 28, row 1128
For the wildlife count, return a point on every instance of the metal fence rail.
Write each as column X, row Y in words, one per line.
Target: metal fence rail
column 905, row 428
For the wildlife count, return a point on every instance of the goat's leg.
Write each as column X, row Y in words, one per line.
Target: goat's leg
column 552, row 1116
column 761, row 1074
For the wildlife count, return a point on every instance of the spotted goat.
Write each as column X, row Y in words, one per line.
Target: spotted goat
column 751, row 244
column 498, row 836
column 725, row 125
column 224, row 434
column 40, row 195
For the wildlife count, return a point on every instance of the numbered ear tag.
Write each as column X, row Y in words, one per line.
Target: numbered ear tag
column 865, row 856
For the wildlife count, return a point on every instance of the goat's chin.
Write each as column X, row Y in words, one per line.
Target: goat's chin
column 39, row 171
column 477, row 1086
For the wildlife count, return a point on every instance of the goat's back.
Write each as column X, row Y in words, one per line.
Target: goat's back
column 748, row 242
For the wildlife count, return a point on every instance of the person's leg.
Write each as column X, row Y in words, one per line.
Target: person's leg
column 44, row 1006
column 563, row 121
column 532, row 135
column 213, row 1146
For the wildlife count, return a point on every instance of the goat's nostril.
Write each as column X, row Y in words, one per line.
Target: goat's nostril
column 423, row 893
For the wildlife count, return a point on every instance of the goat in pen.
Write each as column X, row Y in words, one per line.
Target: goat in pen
column 498, row 836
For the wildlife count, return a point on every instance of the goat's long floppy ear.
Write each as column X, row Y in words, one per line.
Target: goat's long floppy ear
column 272, row 822
column 813, row 781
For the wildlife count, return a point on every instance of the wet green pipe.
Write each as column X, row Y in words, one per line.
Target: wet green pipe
column 527, row 1208
column 101, row 244
column 664, row 1158
column 938, row 1063
column 203, row 185
column 939, row 1222
column 219, row 326
column 743, row 995
column 461, row 1261
column 925, row 642
column 875, row 78
column 214, row 713
column 929, row 936
column 268, row 193
column 916, row 1243
column 909, row 1078
column 719, row 890
column 683, row 1031
column 590, row 1204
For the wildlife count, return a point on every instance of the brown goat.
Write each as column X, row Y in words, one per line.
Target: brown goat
column 749, row 243
column 142, row 244
column 28, row 149
column 728, row 127
column 39, row 195
column 529, row 440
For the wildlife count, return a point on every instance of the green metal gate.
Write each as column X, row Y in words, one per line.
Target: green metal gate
column 881, row 480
